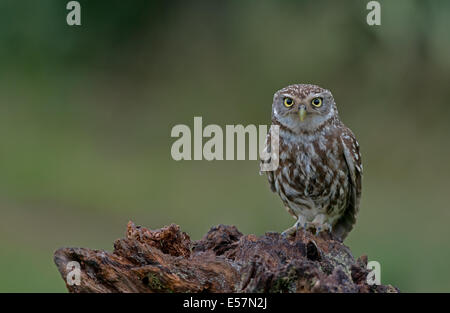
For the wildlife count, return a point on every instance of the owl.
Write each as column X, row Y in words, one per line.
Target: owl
column 319, row 171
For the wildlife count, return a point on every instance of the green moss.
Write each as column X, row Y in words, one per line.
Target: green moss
column 286, row 283
column 155, row 283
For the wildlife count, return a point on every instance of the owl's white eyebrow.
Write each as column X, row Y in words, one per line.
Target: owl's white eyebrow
column 315, row 95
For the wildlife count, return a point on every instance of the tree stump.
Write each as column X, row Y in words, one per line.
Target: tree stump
column 224, row 260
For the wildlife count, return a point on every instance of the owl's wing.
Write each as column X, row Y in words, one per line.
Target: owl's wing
column 352, row 158
column 270, row 176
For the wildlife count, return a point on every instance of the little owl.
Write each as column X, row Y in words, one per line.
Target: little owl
column 319, row 173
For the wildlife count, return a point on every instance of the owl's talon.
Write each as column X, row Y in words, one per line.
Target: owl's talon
column 318, row 230
column 294, row 229
column 288, row 232
column 323, row 228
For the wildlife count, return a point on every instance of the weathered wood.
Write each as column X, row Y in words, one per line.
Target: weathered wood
column 224, row 260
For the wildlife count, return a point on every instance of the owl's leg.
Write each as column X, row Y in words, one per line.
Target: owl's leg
column 319, row 224
column 301, row 222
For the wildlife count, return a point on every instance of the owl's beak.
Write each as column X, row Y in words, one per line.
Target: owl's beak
column 302, row 113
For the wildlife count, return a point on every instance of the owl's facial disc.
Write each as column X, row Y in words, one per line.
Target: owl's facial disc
column 303, row 112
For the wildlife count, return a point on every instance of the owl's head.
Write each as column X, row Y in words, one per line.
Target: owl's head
column 303, row 107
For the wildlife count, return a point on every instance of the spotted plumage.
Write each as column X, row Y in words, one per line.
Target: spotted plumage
column 319, row 173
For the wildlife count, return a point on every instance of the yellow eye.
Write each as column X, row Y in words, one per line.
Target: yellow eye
column 317, row 102
column 288, row 102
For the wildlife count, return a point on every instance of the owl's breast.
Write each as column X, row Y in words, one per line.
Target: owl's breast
column 312, row 176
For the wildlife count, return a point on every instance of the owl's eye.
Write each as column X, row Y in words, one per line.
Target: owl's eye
column 288, row 102
column 317, row 102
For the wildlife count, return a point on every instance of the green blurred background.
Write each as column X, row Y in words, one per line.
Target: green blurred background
column 86, row 114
